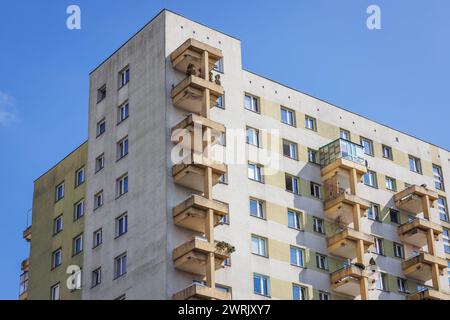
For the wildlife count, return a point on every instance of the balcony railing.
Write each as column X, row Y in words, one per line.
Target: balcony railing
column 341, row 149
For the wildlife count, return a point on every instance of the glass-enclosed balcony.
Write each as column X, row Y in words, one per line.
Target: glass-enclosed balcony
column 343, row 150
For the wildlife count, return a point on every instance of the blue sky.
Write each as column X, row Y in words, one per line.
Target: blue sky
column 398, row 75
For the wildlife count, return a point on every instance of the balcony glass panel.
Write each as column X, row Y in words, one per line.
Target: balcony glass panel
column 341, row 149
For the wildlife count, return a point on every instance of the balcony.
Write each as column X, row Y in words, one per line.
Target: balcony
column 188, row 94
column 415, row 232
column 189, row 55
column 27, row 234
column 411, row 200
column 420, row 267
column 25, row 265
column 343, row 244
column 342, row 154
column 191, row 214
column 199, row 292
column 340, row 207
column 192, row 256
column 429, row 294
column 347, row 281
column 192, row 175
column 194, row 127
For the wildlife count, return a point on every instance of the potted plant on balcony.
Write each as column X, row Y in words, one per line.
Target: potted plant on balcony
column 225, row 248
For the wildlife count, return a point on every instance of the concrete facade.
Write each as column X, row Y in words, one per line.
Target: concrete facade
column 152, row 235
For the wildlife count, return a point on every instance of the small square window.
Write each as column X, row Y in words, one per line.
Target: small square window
column 99, row 163
column 59, row 192
column 101, row 93
column 96, row 277
column 259, row 246
column 79, row 177
column 57, row 225
column 124, row 77
column 310, row 123
column 297, row 256
column 252, row 103
column 387, row 152
column 123, row 112
column 122, row 186
column 261, row 285
column 122, row 148
column 290, row 149
column 287, row 116
column 101, row 127
column 292, row 184
column 78, row 210
column 77, row 245
column 121, row 225
column 316, row 190
column 98, row 200
column 98, row 238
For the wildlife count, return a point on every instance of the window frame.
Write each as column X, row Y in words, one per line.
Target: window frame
column 101, row 127
column 77, row 177
column 101, row 93
column 122, row 183
column 292, row 179
column 76, row 215
column 370, row 144
column 124, row 77
column 288, row 111
column 97, row 275
column 123, row 148
column 257, row 172
column 299, row 256
column 372, row 174
column 77, row 250
column 314, row 189
column 100, row 160
column 95, row 241
column 120, row 116
column 119, row 265
column 417, row 164
column 255, row 101
column 121, row 225
column 265, row 290
column 390, row 155
column 59, row 197
column 264, row 247
column 298, row 218
column 310, row 120
column 260, row 206
column 57, row 231
column 289, row 145
column 256, row 135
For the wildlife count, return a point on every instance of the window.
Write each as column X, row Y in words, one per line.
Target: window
column 261, row 285
column 99, row 163
column 299, row 292
column 391, row 184
column 402, row 285
column 315, row 190
column 387, row 152
column 287, row 116
column 57, row 225
column 220, row 102
column 227, row 262
column 101, row 93
column 373, row 212
column 446, row 240
column 399, row 251
column 124, row 77
column 370, row 179
column 294, row 219
column 292, row 184
column 321, row 261
column 123, row 112
column 367, row 146
column 96, row 277
column 259, row 246
column 290, row 149
column 312, row 156
column 122, row 186
column 225, row 219
column 324, row 295
column 443, row 209
column 98, row 200
column 56, row 258
column 60, row 192
column 310, row 123
column 438, row 177
column 122, row 148
column 24, row 278
column 251, row 103
column 252, row 137
column 257, row 208
column 101, row 127
column 223, row 179
column 318, row 225
column 378, row 246
column 54, row 292
column 415, row 165
column 345, row 134
column 297, row 256
column 381, row 283
column 79, row 177
column 255, row 172
column 218, row 66
column 395, row 216
column 79, row 210
column 77, row 245
column 120, row 266
column 98, row 238
column 121, row 225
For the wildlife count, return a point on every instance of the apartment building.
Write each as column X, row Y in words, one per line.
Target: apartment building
column 283, row 196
